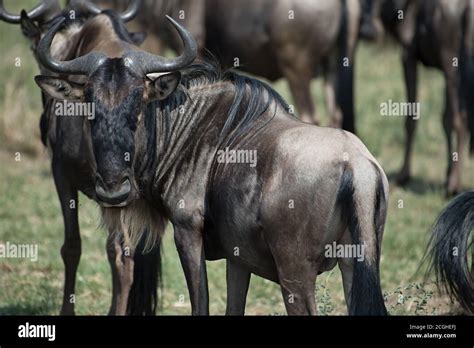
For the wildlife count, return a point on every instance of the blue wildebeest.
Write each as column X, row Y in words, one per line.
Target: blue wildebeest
column 449, row 247
column 439, row 34
column 240, row 178
column 72, row 162
column 293, row 39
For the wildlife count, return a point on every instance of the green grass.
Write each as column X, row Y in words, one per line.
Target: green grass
column 30, row 213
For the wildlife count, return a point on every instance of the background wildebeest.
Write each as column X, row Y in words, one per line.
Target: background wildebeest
column 449, row 249
column 71, row 161
column 294, row 39
column 217, row 206
column 439, row 34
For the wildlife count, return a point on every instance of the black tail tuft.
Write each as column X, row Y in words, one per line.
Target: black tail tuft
column 143, row 297
column 449, row 246
column 366, row 292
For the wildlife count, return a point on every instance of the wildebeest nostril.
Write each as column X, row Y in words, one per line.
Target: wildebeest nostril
column 99, row 181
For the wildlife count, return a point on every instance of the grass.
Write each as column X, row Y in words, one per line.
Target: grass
column 30, row 213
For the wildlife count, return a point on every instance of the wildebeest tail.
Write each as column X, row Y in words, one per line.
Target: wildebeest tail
column 366, row 294
column 448, row 249
column 143, row 297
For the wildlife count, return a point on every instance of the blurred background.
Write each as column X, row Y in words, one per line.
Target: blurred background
column 30, row 211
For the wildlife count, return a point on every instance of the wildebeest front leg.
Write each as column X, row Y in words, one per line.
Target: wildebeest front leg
column 410, row 70
column 71, row 249
column 111, row 256
column 238, row 280
column 124, row 263
column 191, row 254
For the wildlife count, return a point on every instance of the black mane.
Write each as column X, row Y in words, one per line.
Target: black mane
column 251, row 100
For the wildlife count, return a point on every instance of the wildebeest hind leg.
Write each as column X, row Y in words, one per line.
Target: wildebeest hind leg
column 124, row 263
column 330, row 84
column 297, row 282
column 448, row 131
column 410, row 70
column 71, row 249
column 459, row 123
column 299, row 75
column 238, row 280
column 346, row 265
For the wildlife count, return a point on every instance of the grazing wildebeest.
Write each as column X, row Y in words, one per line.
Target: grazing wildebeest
column 72, row 163
column 240, row 178
column 439, row 34
column 449, row 247
column 293, row 39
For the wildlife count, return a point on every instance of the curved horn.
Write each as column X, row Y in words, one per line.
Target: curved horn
column 44, row 8
column 147, row 63
column 84, row 65
column 131, row 11
column 128, row 15
column 86, row 6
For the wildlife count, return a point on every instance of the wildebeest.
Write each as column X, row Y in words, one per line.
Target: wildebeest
column 190, row 135
column 293, row 39
column 439, row 34
column 72, row 164
column 449, row 247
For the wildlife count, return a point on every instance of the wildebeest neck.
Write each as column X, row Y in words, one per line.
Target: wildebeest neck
column 187, row 134
column 210, row 111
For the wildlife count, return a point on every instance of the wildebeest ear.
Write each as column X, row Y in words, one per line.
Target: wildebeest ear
column 59, row 88
column 138, row 37
column 163, row 86
column 28, row 27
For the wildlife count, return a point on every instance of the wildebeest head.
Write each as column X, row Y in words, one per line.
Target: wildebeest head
column 118, row 89
column 32, row 20
column 43, row 12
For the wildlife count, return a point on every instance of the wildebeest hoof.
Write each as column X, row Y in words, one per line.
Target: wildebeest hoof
column 452, row 190
column 402, row 178
column 67, row 312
